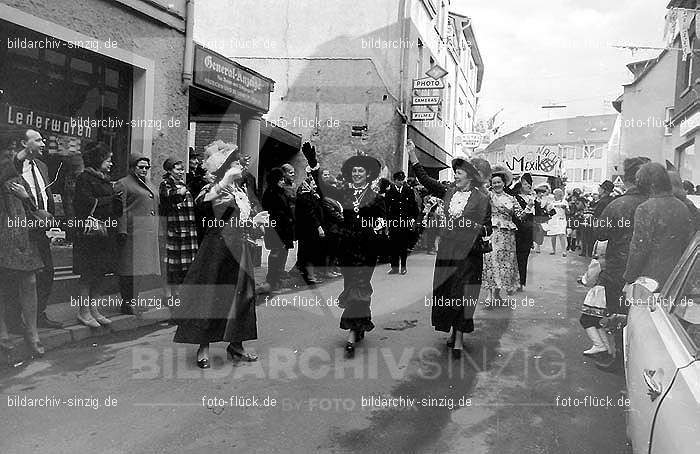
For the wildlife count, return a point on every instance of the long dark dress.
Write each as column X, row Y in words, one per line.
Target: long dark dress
column 524, row 235
column 458, row 265
column 358, row 252
column 218, row 293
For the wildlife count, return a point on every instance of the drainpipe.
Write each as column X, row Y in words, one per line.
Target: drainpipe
column 403, row 161
column 188, row 61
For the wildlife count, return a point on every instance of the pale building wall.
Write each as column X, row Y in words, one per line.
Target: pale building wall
column 642, row 130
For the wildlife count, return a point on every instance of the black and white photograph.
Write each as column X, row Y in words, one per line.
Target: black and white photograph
column 349, row 226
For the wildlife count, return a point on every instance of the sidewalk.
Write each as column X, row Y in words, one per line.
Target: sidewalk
column 73, row 331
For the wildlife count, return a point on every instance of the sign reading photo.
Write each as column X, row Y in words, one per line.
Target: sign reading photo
column 535, row 159
column 216, row 73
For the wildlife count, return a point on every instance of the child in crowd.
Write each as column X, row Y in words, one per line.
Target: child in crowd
column 594, row 309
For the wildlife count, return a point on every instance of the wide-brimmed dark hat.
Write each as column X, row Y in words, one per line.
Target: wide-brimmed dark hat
column 484, row 168
column 372, row 165
column 460, row 163
column 504, row 173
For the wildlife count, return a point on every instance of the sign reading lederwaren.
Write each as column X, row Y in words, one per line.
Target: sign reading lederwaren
column 216, row 73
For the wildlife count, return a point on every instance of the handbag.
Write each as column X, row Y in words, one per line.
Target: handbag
column 93, row 226
column 483, row 242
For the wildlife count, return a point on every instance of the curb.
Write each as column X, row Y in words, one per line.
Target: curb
column 56, row 338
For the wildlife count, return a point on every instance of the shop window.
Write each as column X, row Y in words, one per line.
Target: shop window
column 25, row 52
column 111, row 100
column 55, row 58
column 81, row 65
column 63, row 84
column 111, row 78
column 684, row 161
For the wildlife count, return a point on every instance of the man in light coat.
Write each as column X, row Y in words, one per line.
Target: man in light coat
column 138, row 232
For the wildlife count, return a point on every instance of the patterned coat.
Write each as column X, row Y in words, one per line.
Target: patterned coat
column 177, row 207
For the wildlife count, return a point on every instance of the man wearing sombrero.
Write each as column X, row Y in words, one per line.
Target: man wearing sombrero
column 360, row 233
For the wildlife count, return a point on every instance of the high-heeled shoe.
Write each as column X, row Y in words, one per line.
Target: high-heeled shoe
column 202, row 363
column 35, row 347
column 349, row 349
column 241, row 356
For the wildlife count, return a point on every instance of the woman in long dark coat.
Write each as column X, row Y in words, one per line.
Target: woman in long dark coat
column 459, row 262
column 95, row 256
column 218, row 294
column 364, row 214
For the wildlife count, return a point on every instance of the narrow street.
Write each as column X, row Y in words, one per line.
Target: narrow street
column 507, row 395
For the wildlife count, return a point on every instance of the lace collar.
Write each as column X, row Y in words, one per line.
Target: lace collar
column 458, row 202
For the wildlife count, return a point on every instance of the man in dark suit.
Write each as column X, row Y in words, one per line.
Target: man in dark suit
column 403, row 212
column 36, row 175
column 280, row 239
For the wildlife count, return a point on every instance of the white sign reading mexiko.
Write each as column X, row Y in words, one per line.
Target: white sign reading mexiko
column 535, row 159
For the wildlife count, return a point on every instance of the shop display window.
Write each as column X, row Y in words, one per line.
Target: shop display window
column 54, row 87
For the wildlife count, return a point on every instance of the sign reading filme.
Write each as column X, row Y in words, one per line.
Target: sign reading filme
column 422, row 116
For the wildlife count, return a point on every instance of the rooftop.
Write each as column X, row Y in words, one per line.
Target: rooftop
column 592, row 128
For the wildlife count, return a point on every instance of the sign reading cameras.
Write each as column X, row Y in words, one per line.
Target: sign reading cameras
column 536, row 159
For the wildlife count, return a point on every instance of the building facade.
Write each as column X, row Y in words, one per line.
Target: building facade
column 646, row 108
column 685, row 116
column 344, row 77
column 575, row 149
column 93, row 70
